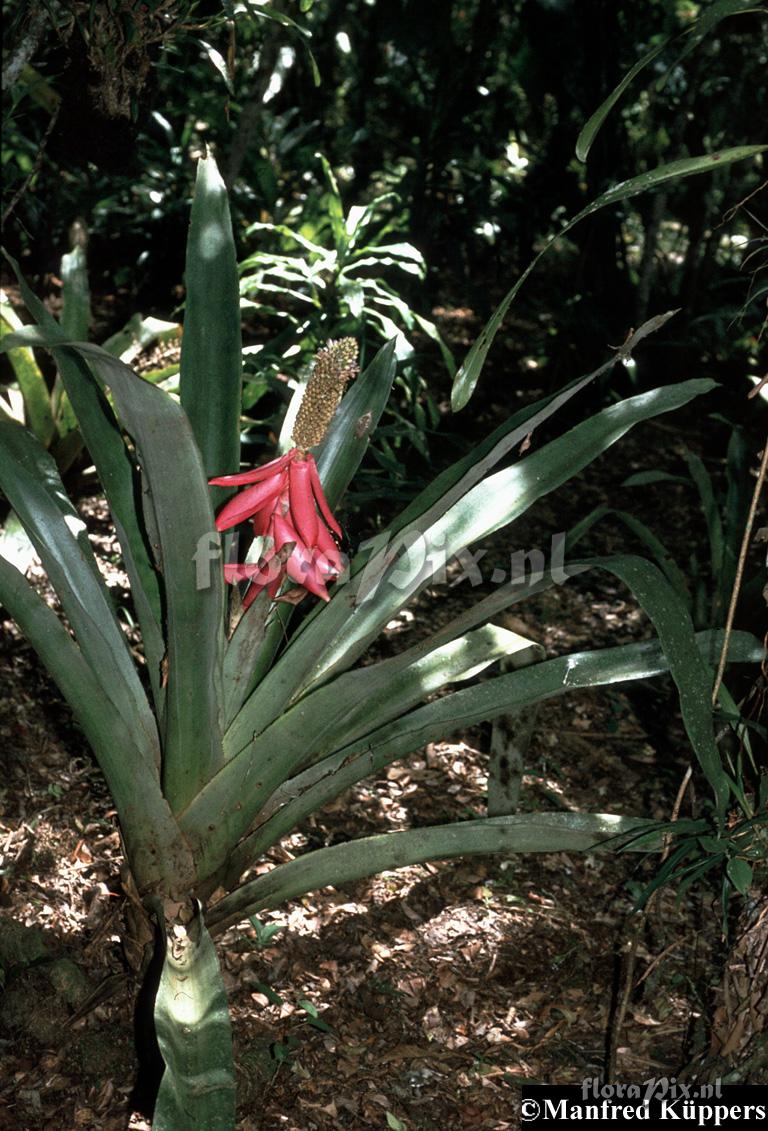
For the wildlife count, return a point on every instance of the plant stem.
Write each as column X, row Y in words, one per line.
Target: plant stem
column 740, row 571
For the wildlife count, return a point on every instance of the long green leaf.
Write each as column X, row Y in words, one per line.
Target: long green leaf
column 335, row 208
column 367, row 856
column 712, row 518
column 451, row 484
column 15, row 543
column 306, row 793
column 469, row 371
column 137, row 334
column 480, row 613
column 592, row 127
column 357, row 701
column 76, row 320
column 154, row 848
column 61, row 655
column 197, row 1089
column 709, row 19
column 100, row 430
column 287, row 233
column 358, row 611
column 643, row 478
column 661, row 555
column 448, row 487
column 76, row 295
column 188, row 549
column 211, row 359
column 241, row 655
column 34, row 391
column 31, row 483
column 267, row 12
column 693, row 678
column 252, row 774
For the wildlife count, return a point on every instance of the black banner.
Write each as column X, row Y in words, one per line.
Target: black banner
column 661, row 1100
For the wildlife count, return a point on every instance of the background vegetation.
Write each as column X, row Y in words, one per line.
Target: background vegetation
column 468, row 111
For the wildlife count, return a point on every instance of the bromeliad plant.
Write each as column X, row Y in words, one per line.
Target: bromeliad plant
column 242, row 722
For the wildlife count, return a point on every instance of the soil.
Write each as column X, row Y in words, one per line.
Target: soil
column 420, row 998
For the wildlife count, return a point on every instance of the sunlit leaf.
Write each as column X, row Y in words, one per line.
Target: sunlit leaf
column 34, row 391
column 590, row 130
column 219, row 62
column 211, row 360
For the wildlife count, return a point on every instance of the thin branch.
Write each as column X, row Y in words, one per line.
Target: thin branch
column 678, row 804
column 740, row 572
column 617, row 1021
column 35, row 168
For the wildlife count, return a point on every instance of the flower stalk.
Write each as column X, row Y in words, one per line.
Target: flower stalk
column 284, row 499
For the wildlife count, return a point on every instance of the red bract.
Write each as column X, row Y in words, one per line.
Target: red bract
column 281, row 501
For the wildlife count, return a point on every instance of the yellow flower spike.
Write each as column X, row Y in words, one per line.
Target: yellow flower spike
column 334, row 366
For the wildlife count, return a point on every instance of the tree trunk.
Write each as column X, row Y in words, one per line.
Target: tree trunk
column 738, row 1051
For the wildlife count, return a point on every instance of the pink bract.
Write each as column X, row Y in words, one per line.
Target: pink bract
column 281, row 500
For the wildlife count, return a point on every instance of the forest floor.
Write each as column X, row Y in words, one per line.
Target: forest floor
column 422, row 998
